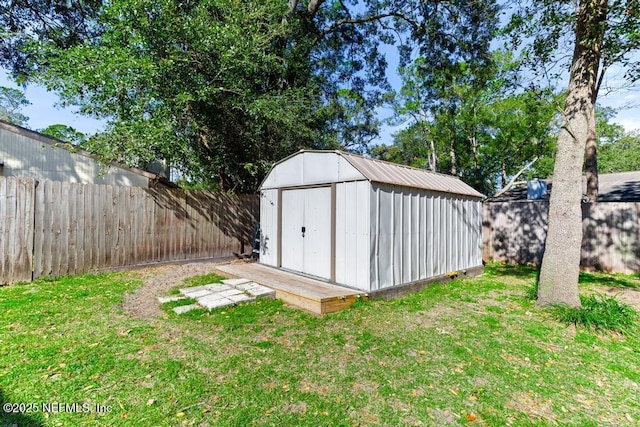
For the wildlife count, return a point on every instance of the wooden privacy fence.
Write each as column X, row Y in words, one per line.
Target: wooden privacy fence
column 516, row 232
column 58, row 228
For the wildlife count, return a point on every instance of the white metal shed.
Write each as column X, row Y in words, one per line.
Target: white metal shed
column 367, row 224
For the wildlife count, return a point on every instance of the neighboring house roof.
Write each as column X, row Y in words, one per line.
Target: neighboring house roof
column 364, row 168
column 612, row 187
column 58, row 144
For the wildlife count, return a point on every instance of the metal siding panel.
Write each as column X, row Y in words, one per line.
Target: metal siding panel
column 397, row 242
column 429, row 246
column 288, row 173
column 24, row 156
column 351, row 234
column 363, row 280
column 407, row 236
column 311, row 168
column 455, row 233
column 268, row 226
column 448, row 234
column 319, row 168
column 469, row 232
column 477, row 231
column 451, row 231
column 385, row 239
column 374, row 238
column 422, row 235
column 317, row 237
column 341, row 240
column 292, row 222
column 442, row 236
column 415, row 236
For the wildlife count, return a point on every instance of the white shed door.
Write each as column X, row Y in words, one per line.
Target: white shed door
column 306, row 231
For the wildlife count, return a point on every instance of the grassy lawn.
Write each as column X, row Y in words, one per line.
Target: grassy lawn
column 471, row 352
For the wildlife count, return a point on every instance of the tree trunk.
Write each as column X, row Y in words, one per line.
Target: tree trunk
column 433, row 162
column 452, row 156
column 558, row 282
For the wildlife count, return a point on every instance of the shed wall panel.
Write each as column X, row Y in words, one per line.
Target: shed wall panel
column 417, row 234
column 352, row 234
column 311, row 168
column 269, row 227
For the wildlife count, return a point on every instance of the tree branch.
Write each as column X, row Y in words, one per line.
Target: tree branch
column 313, row 6
column 513, row 180
column 366, row 19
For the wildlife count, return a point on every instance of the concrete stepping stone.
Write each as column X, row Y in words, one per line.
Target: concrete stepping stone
column 164, row 300
column 193, row 289
column 260, row 291
column 197, row 294
column 211, row 303
column 184, row 308
column 230, row 293
column 216, row 295
column 241, row 298
column 235, row 282
column 210, row 298
column 218, row 287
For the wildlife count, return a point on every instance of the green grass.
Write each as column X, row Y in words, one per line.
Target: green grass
column 471, row 352
column 204, row 279
column 599, row 312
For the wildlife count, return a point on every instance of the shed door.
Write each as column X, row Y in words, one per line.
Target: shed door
column 306, row 231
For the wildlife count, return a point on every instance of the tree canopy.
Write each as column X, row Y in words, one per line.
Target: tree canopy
column 11, row 103
column 484, row 127
column 222, row 88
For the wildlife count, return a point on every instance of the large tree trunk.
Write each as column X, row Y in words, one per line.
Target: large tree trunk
column 558, row 283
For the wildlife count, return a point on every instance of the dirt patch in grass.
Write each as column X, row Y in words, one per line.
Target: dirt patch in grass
column 626, row 295
column 157, row 281
column 533, row 406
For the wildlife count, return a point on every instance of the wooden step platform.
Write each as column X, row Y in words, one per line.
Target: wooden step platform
column 312, row 295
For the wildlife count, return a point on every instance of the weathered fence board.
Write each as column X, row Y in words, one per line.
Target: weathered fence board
column 56, row 228
column 516, row 232
column 16, row 229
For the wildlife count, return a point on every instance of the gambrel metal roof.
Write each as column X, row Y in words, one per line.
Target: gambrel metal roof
column 363, row 168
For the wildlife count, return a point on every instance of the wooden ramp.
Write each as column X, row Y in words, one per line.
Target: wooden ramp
column 302, row 292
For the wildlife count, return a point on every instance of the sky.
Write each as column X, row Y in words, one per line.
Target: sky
column 45, row 110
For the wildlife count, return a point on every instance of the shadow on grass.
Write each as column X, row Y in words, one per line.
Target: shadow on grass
column 631, row 281
column 515, row 270
column 18, row 417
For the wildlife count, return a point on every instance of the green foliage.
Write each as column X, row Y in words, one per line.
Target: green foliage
column 599, row 312
column 221, row 88
column 618, row 149
column 199, row 84
column 11, row 102
column 621, row 154
column 64, row 133
column 481, row 126
column 531, row 292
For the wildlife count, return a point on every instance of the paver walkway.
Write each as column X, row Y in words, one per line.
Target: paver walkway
column 229, row 292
